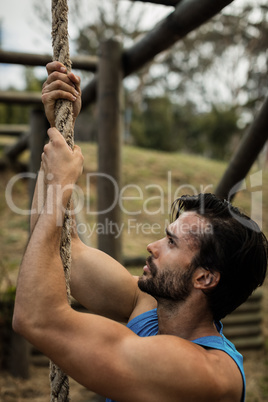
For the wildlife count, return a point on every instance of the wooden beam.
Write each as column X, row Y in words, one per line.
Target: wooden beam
column 38, row 136
column 25, row 98
column 109, row 148
column 246, row 154
column 14, row 150
column 188, row 15
column 13, row 129
column 163, row 2
column 88, row 63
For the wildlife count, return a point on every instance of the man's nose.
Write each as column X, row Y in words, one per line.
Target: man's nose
column 153, row 249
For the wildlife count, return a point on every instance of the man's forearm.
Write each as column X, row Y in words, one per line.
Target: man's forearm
column 41, row 279
column 38, row 200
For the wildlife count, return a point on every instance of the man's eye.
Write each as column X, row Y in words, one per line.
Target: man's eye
column 170, row 240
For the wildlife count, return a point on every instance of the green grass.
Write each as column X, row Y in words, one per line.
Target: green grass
column 160, row 177
column 153, row 179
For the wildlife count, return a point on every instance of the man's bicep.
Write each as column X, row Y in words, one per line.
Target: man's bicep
column 101, row 284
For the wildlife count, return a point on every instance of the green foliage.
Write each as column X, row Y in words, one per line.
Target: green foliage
column 216, row 72
column 9, row 295
column 229, row 51
column 14, row 114
column 7, row 291
column 153, row 127
column 112, row 20
column 211, row 133
column 19, row 114
column 166, row 126
column 7, row 300
column 32, row 83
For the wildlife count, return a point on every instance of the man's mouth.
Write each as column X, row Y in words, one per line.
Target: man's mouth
column 147, row 267
column 150, row 266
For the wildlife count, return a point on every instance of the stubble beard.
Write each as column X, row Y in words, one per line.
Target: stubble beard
column 166, row 284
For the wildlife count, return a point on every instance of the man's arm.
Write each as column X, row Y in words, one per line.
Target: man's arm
column 59, row 85
column 98, row 282
column 103, row 285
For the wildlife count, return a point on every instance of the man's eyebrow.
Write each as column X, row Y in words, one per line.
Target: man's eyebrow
column 172, row 235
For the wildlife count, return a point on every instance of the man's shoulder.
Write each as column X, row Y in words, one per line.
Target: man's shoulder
column 227, row 370
column 213, row 365
column 173, row 366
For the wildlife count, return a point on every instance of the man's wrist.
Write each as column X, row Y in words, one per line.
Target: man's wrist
column 56, row 201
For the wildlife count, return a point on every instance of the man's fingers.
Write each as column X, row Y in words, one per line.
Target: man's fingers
column 55, row 66
column 75, row 79
column 62, row 85
column 59, row 77
column 56, row 138
column 48, row 97
column 54, row 135
column 57, row 71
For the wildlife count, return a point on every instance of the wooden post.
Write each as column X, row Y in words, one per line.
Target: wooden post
column 13, row 151
column 109, row 148
column 38, row 134
column 19, row 357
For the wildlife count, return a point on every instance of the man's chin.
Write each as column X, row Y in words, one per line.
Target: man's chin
column 141, row 278
column 144, row 281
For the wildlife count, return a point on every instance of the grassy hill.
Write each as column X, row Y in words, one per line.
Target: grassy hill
column 151, row 181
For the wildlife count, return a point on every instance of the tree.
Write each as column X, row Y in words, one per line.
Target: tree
column 217, row 71
column 211, row 133
column 224, row 61
column 153, row 125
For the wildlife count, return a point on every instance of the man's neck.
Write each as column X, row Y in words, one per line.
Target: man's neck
column 188, row 319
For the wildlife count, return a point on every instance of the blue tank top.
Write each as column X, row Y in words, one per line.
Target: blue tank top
column 146, row 324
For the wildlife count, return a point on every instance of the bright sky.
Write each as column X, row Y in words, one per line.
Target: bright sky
column 18, row 25
column 22, row 31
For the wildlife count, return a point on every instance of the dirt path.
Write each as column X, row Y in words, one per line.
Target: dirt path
column 37, row 388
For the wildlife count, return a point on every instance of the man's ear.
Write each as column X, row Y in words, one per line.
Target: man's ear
column 205, row 279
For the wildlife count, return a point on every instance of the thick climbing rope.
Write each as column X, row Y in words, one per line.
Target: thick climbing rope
column 59, row 381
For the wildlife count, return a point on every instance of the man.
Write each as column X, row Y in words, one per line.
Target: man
column 209, row 262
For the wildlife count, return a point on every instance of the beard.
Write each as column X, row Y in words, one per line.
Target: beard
column 166, row 284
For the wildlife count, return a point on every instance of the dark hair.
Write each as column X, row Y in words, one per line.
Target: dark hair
column 235, row 247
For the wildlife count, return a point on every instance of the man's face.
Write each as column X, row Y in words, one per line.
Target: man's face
column 168, row 272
